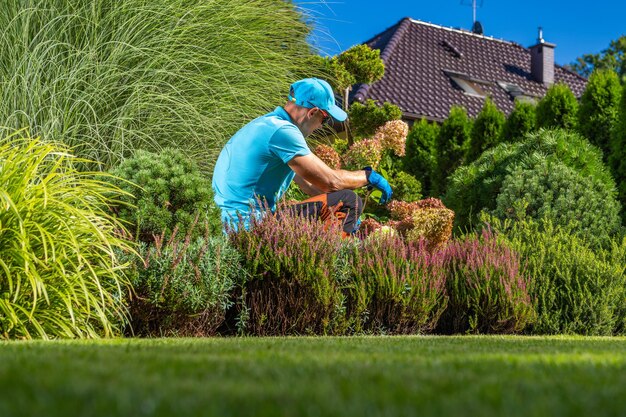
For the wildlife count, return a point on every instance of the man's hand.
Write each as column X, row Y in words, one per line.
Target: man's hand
column 379, row 182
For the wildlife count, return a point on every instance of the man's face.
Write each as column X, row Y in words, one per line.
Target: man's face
column 315, row 119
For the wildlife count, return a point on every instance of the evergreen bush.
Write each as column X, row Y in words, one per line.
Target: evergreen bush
column 617, row 157
column 522, row 120
column 451, row 146
column 60, row 275
column 574, row 288
column 183, row 285
column 475, row 187
column 420, row 159
column 405, row 187
column 598, row 111
column 549, row 190
column 486, row 130
column 366, row 118
column 558, row 108
column 167, row 190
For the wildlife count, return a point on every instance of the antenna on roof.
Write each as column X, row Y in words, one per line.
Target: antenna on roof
column 475, row 4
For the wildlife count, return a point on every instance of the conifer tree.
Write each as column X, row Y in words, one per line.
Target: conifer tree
column 420, row 159
column 521, row 121
column 598, row 108
column 617, row 157
column 451, row 146
column 486, row 131
column 558, row 108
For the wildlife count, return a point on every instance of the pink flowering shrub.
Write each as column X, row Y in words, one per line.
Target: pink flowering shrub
column 328, row 155
column 401, row 286
column 486, row 286
column 366, row 152
column 292, row 262
column 392, row 135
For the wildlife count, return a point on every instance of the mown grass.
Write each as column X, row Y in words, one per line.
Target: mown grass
column 360, row 376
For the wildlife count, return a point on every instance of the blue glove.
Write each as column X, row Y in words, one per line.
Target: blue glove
column 378, row 181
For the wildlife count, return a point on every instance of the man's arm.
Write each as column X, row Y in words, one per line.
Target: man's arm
column 307, row 187
column 314, row 171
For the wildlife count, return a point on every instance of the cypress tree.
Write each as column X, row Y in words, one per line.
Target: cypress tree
column 521, row 121
column 451, row 146
column 617, row 156
column 598, row 108
column 420, row 159
column 558, row 108
column 486, row 131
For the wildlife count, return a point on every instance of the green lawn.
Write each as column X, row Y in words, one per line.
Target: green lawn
column 361, row 376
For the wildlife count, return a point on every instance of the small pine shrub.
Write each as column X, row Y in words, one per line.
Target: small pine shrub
column 451, row 146
column 540, row 189
column 172, row 192
column 598, row 111
column 399, row 285
column 420, row 159
column 183, row 285
column 574, row 288
column 476, row 186
column 486, row 130
column 366, row 118
column 558, row 108
column 522, row 120
column 363, row 63
column 294, row 265
column 486, row 286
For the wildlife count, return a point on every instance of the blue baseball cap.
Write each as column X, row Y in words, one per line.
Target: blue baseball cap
column 313, row 92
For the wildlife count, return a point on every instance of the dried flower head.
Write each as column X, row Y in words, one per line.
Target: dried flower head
column 366, row 152
column 392, row 135
column 328, row 155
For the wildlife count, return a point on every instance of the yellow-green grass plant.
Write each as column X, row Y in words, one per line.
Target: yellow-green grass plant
column 106, row 77
column 59, row 271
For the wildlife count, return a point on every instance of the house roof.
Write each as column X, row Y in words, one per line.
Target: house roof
column 420, row 59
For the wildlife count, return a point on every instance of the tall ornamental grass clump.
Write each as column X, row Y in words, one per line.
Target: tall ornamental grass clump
column 296, row 267
column 59, row 272
column 397, row 287
column 107, row 77
column 487, row 287
column 575, row 288
column 182, row 285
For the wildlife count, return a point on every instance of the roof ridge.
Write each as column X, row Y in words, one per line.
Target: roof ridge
column 402, row 26
column 462, row 31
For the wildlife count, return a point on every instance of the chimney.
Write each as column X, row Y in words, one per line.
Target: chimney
column 542, row 61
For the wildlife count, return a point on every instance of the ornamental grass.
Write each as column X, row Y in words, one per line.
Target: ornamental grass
column 60, row 276
column 106, row 77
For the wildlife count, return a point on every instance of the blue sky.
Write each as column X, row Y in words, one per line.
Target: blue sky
column 577, row 27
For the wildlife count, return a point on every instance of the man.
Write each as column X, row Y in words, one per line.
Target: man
column 259, row 162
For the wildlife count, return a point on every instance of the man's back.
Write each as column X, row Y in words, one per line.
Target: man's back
column 253, row 164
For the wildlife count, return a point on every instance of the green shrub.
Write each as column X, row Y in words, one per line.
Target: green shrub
column 106, row 78
column 172, row 192
column 451, row 146
column 574, row 289
column 476, row 186
column 366, row 118
column 182, row 286
column 420, row 160
column 59, row 273
column 558, row 108
column 617, row 158
column 363, row 63
column 486, row 131
column 405, row 187
column 486, row 285
column 599, row 109
column 522, row 120
column 549, row 190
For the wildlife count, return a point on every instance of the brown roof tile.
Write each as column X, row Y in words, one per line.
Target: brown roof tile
column 419, row 55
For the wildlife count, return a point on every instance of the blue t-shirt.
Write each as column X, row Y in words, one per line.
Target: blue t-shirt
column 253, row 165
